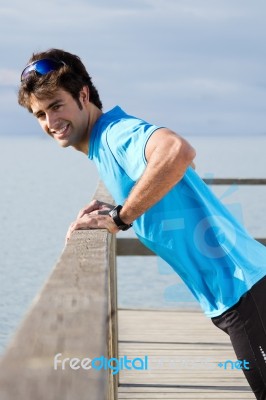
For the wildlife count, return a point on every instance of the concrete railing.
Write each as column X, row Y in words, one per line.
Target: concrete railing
column 74, row 316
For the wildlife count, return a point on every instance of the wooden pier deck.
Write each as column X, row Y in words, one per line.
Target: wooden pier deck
column 184, row 349
column 75, row 316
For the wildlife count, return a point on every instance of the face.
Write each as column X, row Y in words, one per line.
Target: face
column 61, row 117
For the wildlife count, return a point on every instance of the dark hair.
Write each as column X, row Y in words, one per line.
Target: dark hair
column 71, row 77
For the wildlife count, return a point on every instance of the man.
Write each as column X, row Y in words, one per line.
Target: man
column 148, row 170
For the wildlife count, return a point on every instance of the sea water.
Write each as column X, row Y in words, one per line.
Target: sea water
column 42, row 189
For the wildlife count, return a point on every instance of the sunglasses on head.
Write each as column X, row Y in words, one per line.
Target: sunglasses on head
column 41, row 67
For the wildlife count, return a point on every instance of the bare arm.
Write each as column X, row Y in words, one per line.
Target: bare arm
column 168, row 156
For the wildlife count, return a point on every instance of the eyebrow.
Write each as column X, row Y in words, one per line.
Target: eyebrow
column 51, row 105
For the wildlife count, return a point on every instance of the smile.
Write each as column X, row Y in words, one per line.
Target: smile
column 61, row 132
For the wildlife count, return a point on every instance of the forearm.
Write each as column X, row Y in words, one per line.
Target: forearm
column 168, row 157
column 164, row 170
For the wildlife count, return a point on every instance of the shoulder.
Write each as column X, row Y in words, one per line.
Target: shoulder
column 165, row 139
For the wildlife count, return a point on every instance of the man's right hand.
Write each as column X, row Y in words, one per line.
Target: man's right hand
column 95, row 215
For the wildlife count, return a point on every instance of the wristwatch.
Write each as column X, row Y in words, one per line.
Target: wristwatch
column 114, row 213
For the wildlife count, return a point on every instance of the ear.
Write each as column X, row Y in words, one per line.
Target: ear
column 84, row 95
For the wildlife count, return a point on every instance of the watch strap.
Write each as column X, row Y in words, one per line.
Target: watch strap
column 114, row 213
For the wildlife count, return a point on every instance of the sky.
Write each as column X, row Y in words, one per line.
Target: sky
column 195, row 66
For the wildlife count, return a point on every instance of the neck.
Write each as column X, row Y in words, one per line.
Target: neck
column 93, row 114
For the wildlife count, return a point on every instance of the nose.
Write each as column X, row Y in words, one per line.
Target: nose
column 50, row 121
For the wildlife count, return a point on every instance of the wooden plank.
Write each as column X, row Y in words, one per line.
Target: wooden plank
column 184, row 350
column 235, row 181
column 133, row 247
column 113, row 321
column 182, row 394
column 168, row 326
column 217, row 395
column 262, row 241
column 102, row 194
column 70, row 316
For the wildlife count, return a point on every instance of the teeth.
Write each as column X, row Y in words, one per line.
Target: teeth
column 62, row 129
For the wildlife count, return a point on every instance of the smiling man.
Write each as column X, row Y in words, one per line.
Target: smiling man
column 148, row 170
column 66, row 120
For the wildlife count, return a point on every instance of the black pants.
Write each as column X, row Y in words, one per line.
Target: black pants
column 245, row 323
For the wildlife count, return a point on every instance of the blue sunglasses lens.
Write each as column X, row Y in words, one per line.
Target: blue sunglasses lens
column 41, row 67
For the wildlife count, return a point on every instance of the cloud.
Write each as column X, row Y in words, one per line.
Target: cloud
column 199, row 57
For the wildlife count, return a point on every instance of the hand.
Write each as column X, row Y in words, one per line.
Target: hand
column 95, row 207
column 94, row 216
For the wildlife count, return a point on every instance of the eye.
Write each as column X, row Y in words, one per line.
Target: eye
column 40, row 115
column 56, row 107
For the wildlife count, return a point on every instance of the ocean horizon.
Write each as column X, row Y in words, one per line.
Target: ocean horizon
column 43, row 188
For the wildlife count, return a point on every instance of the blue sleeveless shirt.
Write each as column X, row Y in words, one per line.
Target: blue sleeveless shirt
column 189, row 227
